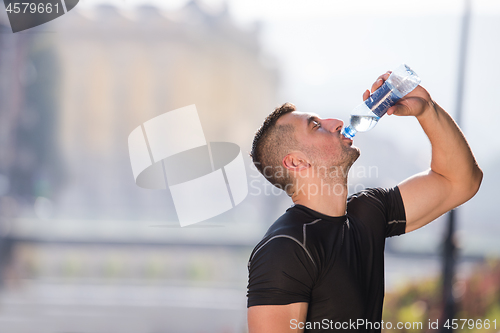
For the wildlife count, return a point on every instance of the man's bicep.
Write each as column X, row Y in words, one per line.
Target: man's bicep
column 426, row 196
column 277, row 318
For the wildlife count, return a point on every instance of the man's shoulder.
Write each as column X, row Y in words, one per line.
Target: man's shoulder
column 284, row 239
column 368, row 192
column 371, row 195
column 289, row 224
column 286, row 231
column 382, row 207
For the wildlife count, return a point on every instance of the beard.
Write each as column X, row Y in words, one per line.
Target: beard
column 349, row 155
column 333, row 164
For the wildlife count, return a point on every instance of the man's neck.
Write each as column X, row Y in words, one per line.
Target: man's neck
column 329, row 198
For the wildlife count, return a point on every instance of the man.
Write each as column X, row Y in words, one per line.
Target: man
column 320, row 266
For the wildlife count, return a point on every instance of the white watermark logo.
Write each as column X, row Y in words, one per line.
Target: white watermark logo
column 204, row 179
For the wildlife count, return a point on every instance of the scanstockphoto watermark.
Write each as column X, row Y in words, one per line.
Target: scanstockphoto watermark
column 260, row 186
column 327, row 324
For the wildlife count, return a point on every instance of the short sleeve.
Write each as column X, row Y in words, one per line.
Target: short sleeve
column 280, row 272
column 393, row 209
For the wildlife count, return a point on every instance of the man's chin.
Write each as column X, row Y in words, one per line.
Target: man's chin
column 358, row 151
column 354, row 154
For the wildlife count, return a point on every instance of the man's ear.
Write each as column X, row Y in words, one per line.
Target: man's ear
column 296, row 161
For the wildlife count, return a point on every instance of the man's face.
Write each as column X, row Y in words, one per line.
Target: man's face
column 320, row 139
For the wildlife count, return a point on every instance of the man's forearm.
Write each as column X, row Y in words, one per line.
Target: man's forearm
column 452, row 157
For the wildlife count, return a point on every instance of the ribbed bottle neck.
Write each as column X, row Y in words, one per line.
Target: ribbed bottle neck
column 349, row 132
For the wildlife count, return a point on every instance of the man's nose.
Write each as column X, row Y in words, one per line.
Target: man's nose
column 334, row 124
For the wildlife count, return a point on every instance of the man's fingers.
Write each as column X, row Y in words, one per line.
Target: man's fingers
column 366, row 94
column 377, row 84
column 402, row 108
column 380, row 81
column 396, row 110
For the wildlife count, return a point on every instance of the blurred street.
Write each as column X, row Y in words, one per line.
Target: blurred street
column 55, row 307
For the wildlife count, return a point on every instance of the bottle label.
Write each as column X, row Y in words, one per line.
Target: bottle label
column 381, row 100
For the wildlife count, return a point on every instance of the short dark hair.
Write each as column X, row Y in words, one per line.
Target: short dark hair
column 271, row 144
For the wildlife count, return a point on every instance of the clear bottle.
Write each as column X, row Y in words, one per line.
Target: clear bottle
column 366, row 115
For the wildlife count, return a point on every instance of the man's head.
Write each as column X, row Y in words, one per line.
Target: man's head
column 292, row 144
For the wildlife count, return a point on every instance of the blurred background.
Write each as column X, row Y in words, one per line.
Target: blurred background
column 83, row 249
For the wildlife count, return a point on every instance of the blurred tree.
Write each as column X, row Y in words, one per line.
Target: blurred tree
column 477, row 299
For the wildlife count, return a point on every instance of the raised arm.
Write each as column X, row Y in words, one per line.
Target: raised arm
column 454, row 176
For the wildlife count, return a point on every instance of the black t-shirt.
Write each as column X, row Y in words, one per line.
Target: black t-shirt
column 336, row 264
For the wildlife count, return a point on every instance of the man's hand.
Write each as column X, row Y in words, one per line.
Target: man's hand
column 454, row 176
column 413, row 104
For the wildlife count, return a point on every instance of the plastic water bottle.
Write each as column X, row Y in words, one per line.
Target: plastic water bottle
column 366, row 115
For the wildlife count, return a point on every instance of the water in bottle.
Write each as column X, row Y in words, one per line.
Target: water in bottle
column 366, row 115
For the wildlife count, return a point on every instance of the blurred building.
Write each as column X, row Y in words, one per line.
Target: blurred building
column 119, row 69
column 71, row 91
column 29, row 161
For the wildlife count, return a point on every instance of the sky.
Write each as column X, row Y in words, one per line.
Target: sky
column 245, row 11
